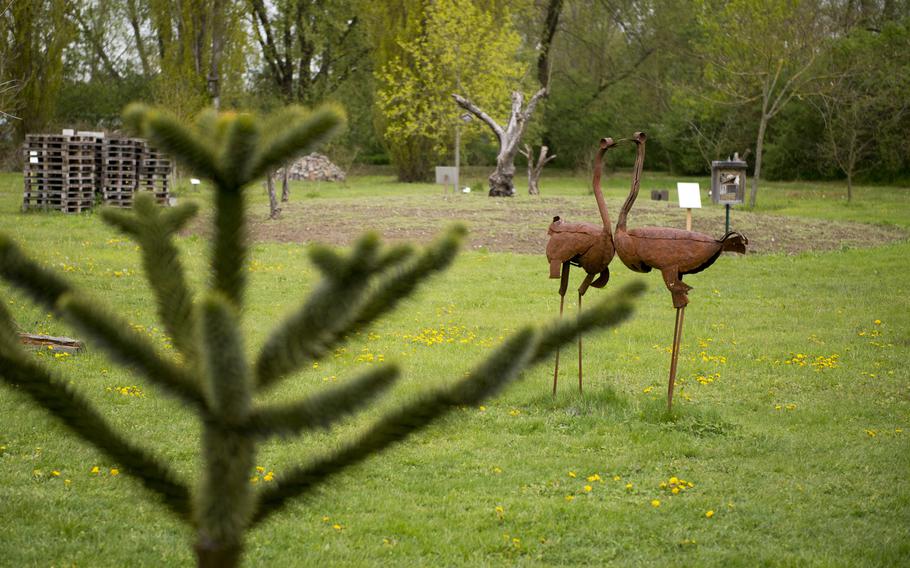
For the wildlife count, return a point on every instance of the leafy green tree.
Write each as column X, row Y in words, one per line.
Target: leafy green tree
column 211, row 374
column 761, row 55
column 440, row 48
column 866, row 103
column 308, row 48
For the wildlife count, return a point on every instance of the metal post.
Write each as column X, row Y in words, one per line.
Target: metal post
column 727, row 229
column 457, row 155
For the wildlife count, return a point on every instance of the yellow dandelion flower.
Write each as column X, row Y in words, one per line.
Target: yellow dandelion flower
column 675, row 491
column 500, row 512
column 570, row 497
column 877, row 322
column 269, row 476
column 572, row 474
column 67, row 482
column 337, row 527
column 663, row 484
column 655, row 503
column 617, row 477
column 588, row 488
column 483, row 408
column 647, row 390
column 674, row 480
column 871, row 433
column 260, row 469
column 497, row 470
column 115, row 472
column 325, row 518
column 55, row 473
column 95, row 470
column 594, row 477
column 709, row 514
column 629, row 486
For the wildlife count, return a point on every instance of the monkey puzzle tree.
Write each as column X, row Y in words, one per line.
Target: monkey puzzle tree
column 211, row 373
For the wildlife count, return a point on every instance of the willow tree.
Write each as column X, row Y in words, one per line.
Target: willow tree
column 213, row 373
column 33, row 38
column 441, row 47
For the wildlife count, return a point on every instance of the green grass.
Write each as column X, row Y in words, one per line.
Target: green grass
column 805, row 484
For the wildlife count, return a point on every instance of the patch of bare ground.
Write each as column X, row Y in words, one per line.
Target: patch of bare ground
column 520, row 225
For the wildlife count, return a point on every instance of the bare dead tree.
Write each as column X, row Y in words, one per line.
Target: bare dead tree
column 501, row 184
column 534, row 170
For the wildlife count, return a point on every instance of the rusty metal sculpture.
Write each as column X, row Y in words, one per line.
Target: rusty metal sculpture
column 674, row 252
column 585, row 245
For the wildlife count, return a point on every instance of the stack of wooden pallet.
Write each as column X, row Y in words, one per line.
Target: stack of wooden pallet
column 120, row 159
column 154, row 173
column 60, row 172
column 66, row 172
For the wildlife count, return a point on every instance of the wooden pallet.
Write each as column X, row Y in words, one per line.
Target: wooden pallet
column 59, row 173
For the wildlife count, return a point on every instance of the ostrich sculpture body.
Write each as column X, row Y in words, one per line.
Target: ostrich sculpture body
column 674, row 252
column 585, row 245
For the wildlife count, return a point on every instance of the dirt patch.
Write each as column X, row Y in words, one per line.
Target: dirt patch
column 520, row 225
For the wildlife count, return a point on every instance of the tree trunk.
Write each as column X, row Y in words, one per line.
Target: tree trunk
column 133, row 12
column 274, row 209
column 501, row 182
column 214, row 78
column 759, row 142
column 215, row 555
column 285, row 188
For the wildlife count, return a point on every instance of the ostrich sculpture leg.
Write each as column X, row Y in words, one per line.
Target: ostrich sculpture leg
column 563, row 286
column 679, row 291
column 677, row 335
column 581, row 292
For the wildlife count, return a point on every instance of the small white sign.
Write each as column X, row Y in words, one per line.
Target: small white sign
column 194, row 181
column 689, row 195
column 445, row 175
column 33, row 160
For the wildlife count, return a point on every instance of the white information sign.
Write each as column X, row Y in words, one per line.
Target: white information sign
column 689, row 195
column 445, row 175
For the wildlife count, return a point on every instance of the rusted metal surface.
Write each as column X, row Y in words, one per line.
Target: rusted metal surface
column 674, row 252
column 585, row 245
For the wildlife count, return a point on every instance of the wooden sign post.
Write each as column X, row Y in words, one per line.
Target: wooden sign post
column 689, row 198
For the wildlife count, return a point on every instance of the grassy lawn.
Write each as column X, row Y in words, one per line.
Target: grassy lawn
column 792, row 419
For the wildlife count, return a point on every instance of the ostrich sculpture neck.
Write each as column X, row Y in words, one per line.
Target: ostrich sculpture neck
column 605, row 144
column 639, row 139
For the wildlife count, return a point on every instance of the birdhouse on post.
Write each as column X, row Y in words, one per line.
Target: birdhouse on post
column 728, row 183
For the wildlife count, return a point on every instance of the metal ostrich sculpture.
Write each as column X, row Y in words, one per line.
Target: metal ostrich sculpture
column 585, row 245
column 675, row 252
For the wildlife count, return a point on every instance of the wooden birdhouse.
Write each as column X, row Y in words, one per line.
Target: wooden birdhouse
column 728, row 181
